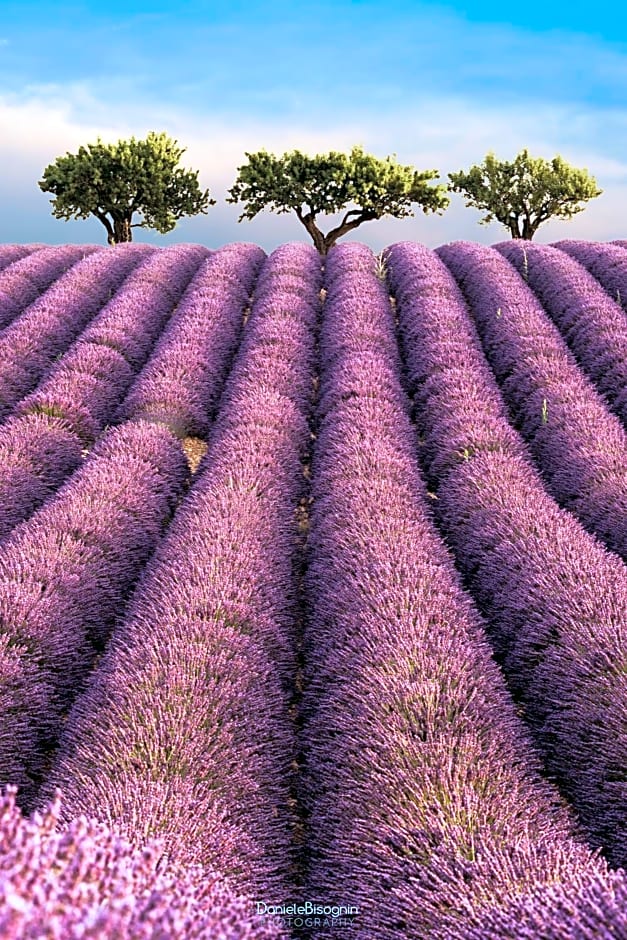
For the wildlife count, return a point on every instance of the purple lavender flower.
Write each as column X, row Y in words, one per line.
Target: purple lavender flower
column 66, row 572
column 580, row 447
column 423, row 793
column 37, row 453
column 587, row 907
column 11, row 253
column 23, row 280
column 180, row 383
column 85, row 881
column 51, row 323
column 555, row 600
column 606, row 261
column 593, row 325
column 80, row 394
column 185, row 729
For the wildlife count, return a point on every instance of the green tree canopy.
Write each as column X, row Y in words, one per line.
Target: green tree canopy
column 329, row 183
column 113, row 181
column 523, row 194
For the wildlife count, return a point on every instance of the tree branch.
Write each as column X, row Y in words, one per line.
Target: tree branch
column 107, row 224
column 344, row 226
column 356, row 212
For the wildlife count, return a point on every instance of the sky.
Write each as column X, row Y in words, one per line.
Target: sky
column 439, row 85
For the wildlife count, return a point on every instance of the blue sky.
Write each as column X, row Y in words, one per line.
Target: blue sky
column 438, row 84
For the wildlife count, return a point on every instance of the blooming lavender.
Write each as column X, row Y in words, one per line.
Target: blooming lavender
column 423, row 793
column 65, row 575
column 580, row 447
column 37, row 453
column 185, row 731
column 606, row 261
column 135, row 317
column 555, row 599
column 29, row 276
column 85, row 881
column 11, row 253
column 70, row 407
column 589, row 907
column 51, row 323
column 180, row 383
column 592, row 323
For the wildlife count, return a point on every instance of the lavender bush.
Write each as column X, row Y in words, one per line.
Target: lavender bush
column 180, row 383
column 185, row 731
column 589, row 907
column 11, row 253
column 579, row 446
column 37, row 453
column 65, row 574
column 423, row 793
column 593, row 324
column 50, row 324
column 71, row 406
column 84, row 881
column 606, row 261
column 29, row 276
column 555, row 600
column 134, row 319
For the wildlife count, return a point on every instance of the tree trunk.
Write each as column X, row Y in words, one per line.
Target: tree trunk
column 316, row 235
column 528, row 229
column 514, row 228
column 324, row 243
column 122, row 231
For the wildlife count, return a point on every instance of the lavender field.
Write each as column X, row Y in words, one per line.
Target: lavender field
column 313, row 592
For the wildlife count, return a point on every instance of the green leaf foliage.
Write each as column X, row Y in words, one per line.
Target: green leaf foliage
column 526, row 192
column 329, row 183
column 113, row 181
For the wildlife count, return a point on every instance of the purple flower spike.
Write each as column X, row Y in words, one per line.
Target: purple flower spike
column 66, row 572
column 579, row 445
column 555, row 599
column 185, row 730
column 423, row 794
column 11, row 253
column 37, row 453
column 88, row 383
column 594, row 326
column 51, row 323
column 606, row 261
column 85, row 882
column 180, row 384
column 22, row 281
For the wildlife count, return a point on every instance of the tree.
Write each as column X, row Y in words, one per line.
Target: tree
column 113, row 181
column 329, row 183
column 523, row 194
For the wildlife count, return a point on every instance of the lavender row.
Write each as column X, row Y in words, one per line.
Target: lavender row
column 589, row 907
column 11, row 253
column 47, row 327
column 43, row 443
column 64, row 578
column 593, row 324
column 579, row 446
column 555, row 599
column 91, row 379
column 185, row 730
column 180, row 384
column 606, row 261
column 425, row 797
column 24, row 280
column 86, row 882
